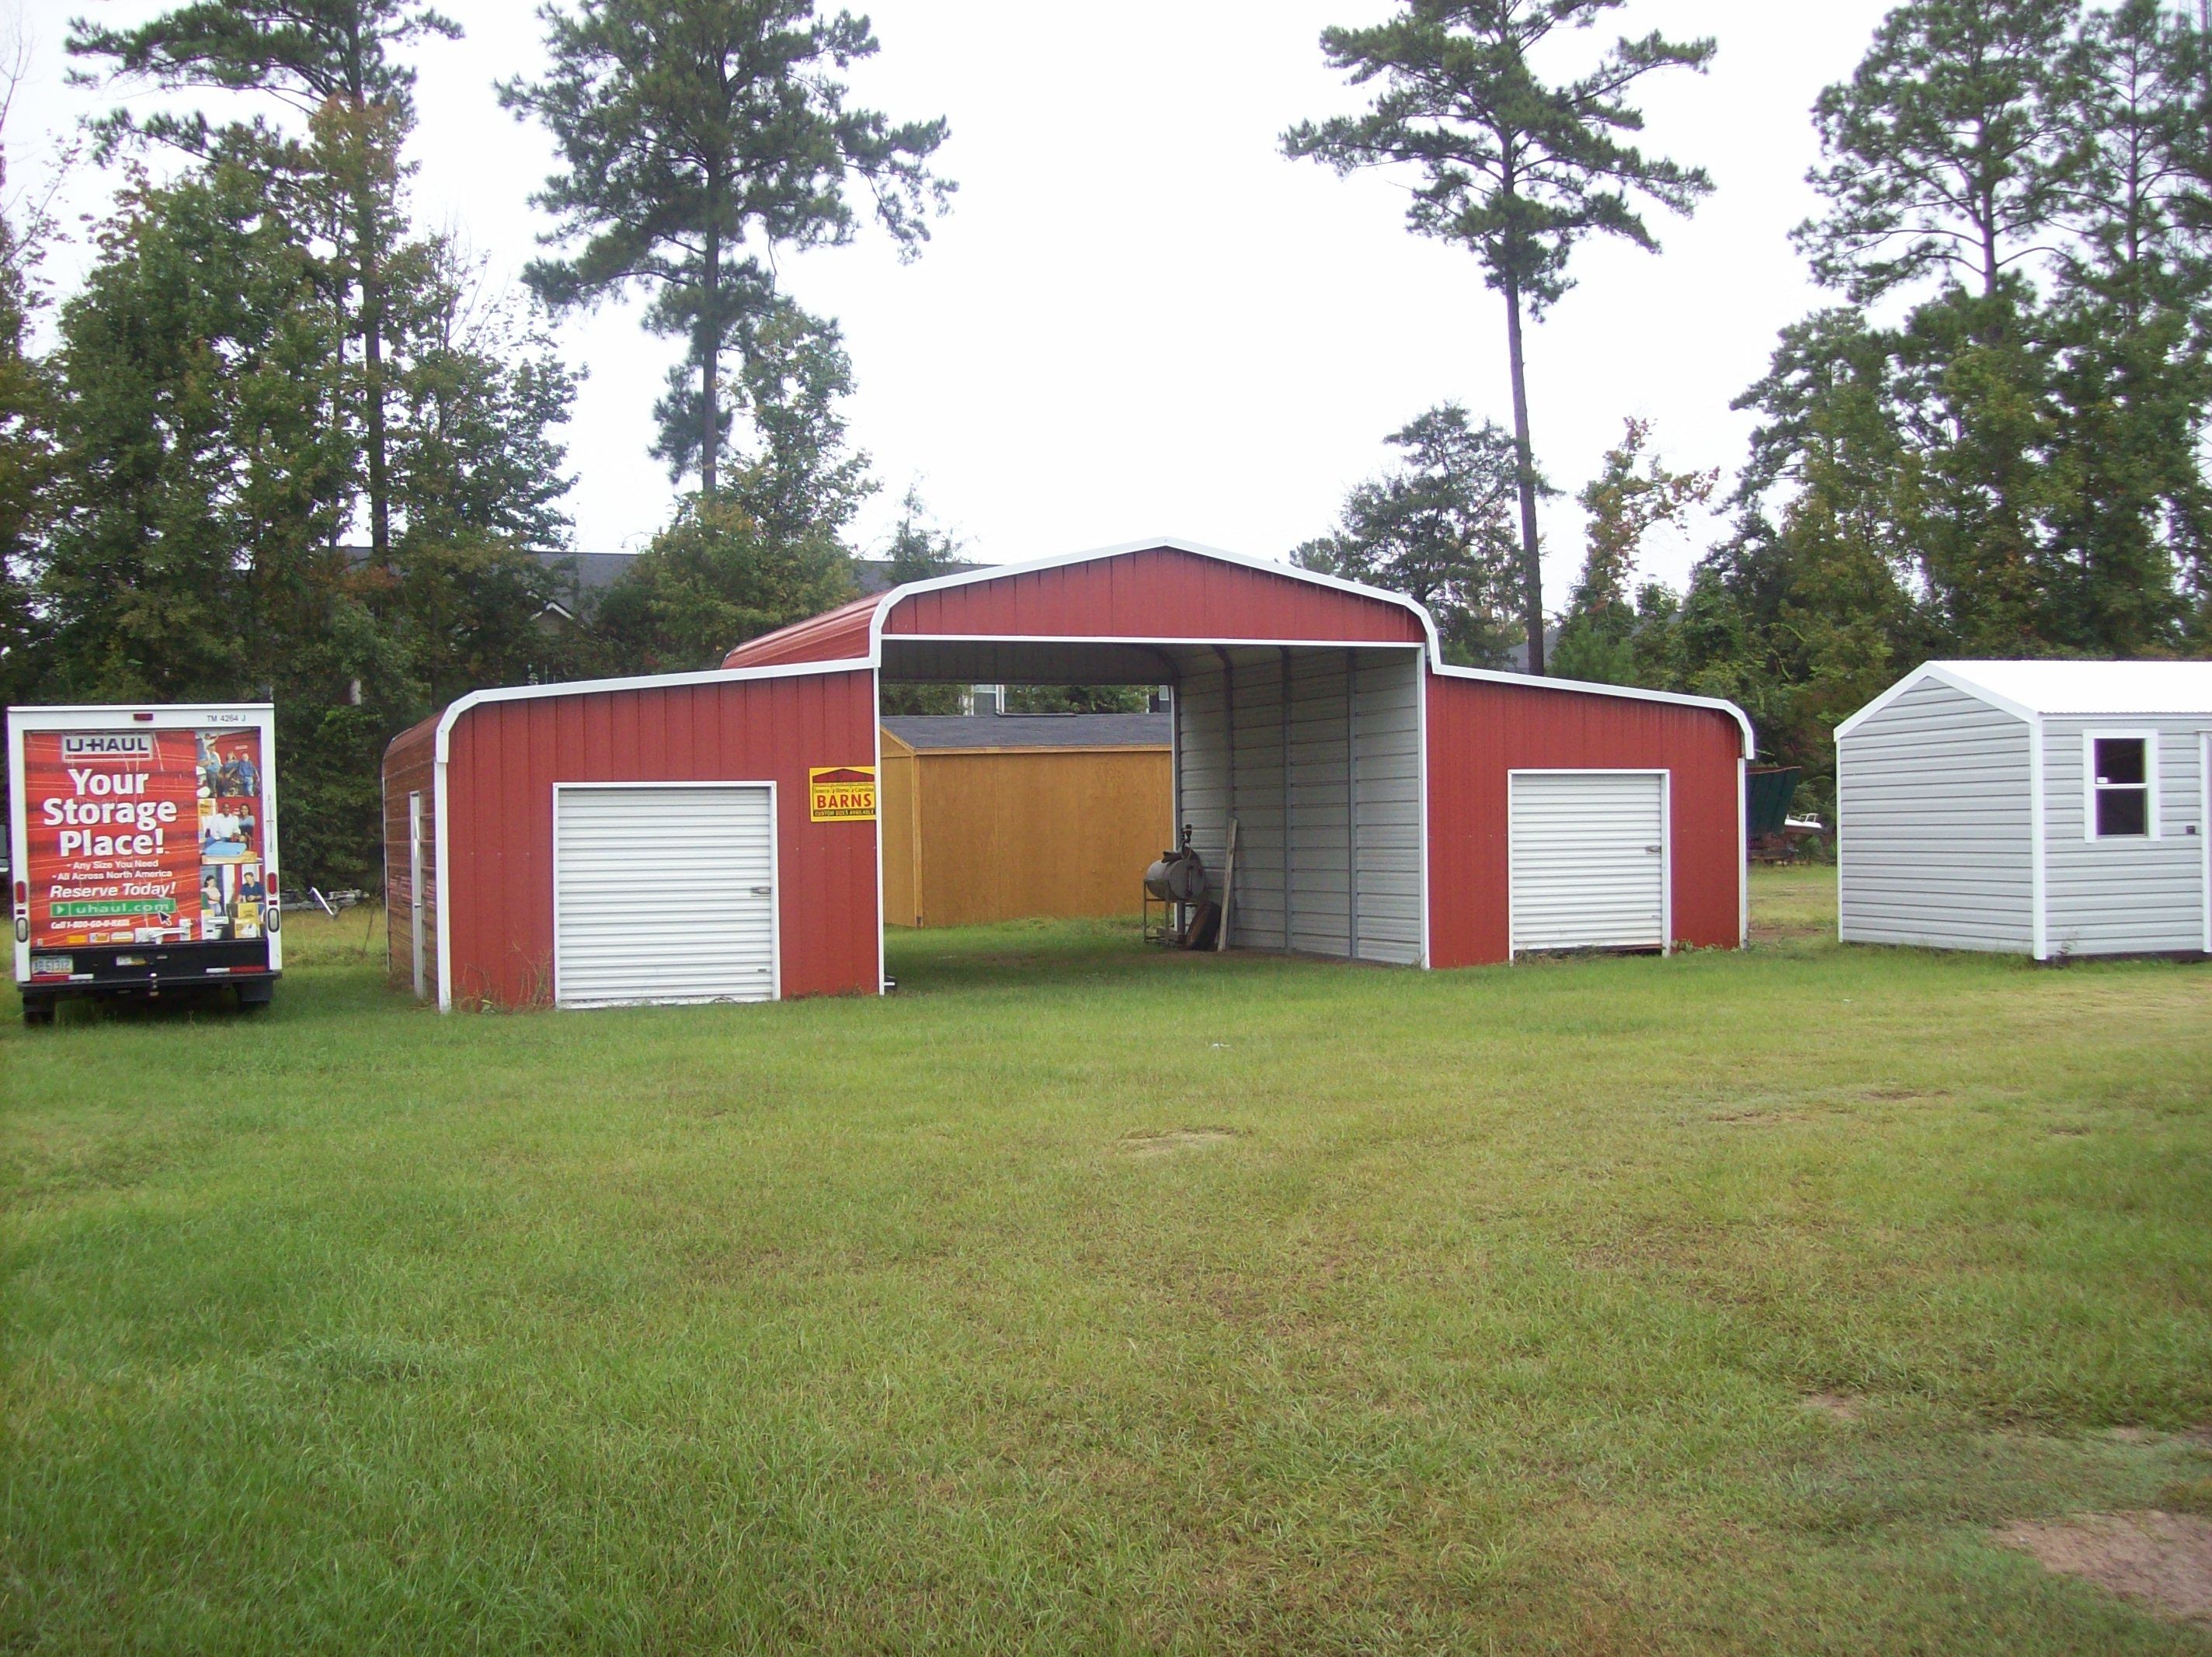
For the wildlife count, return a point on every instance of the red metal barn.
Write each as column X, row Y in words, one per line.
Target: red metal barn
column 711, row 835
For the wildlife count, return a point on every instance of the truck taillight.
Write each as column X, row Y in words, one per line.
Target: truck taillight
column 22, row 894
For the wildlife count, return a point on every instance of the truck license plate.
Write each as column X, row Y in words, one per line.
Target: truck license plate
column 50, row 966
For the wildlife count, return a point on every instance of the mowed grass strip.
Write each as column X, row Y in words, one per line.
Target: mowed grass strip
column 1083, row 1298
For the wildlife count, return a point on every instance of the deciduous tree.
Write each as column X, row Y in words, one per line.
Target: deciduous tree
column 1633, row 495
column 1439, row 528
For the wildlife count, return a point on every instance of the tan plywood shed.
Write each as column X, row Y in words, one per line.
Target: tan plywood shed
column 995, row 818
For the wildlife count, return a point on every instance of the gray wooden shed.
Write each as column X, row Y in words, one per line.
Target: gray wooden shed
column 2048, row 808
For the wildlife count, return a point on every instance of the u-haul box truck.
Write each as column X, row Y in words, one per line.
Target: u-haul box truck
column 141, row 850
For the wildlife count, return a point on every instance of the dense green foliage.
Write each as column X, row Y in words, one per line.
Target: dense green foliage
column 205, row 471
column 1083, row 1298
column 713, row 577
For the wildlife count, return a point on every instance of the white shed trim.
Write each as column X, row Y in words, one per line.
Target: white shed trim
column 1939, row 673
column 2039, row 849
column 2204, row 825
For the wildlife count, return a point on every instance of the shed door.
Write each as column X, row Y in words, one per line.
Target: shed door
column 664, row 894
column 1589, row 857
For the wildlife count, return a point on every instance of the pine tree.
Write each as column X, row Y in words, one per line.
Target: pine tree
column 1516, row 170
column 1948, row 151
column 699, row 138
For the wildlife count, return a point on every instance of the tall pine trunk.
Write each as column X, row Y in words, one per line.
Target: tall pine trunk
column 372, row 346
column 710, row 342
column 1532, row 567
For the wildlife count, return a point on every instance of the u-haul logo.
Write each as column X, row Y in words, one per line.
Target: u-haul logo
column 841, row 793
column 108, row 745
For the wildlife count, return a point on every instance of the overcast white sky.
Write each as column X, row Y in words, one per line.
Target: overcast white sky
column 1138, row 319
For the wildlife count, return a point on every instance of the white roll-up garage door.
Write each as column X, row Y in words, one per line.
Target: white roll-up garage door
column 664, row 893
column 1588, row 860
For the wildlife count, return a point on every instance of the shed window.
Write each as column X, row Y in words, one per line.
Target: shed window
column 2122, row 786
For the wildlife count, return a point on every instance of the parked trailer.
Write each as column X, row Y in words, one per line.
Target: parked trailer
column 143, row 851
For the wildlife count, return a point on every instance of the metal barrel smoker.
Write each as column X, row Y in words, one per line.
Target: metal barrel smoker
column 1178, row 910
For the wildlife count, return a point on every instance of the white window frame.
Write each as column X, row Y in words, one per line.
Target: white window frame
column 2149, row 737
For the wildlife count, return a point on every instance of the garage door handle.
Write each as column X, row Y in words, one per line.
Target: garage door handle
column 1654, row 850
column 764, row 891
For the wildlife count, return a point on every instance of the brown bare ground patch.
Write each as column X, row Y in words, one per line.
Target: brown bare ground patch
column 1837, row 1406
column 1167, row 1141
column 2161, row 1560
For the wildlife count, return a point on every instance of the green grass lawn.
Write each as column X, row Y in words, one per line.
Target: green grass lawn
column 1082, row 1298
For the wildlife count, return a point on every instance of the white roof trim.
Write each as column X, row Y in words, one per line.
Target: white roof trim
column 1589, row 688
column 1935, row 673
column 448, row 720
column 79, row 710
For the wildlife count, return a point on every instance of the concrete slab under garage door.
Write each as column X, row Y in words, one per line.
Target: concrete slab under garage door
column 1589, row 858
column 664, row 893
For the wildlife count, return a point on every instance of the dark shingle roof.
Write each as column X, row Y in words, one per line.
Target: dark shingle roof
column 873, row 576
column 1031, row 729
column 595, row 571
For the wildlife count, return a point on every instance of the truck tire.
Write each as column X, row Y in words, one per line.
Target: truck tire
column 41, row 1011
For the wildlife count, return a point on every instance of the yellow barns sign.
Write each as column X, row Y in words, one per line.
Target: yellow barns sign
column 841, row 793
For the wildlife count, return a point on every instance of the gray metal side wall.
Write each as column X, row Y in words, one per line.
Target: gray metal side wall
column 1317, row 753
column 1935, row 819
column 2123, row 896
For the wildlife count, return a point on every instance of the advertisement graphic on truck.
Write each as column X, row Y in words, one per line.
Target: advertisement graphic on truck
column 138, row 831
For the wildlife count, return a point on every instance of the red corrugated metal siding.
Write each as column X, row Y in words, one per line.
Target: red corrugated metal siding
column 835, row 635
column 409, row 767
column 1479, row 730
column 503, row 758
column 1165, row 594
